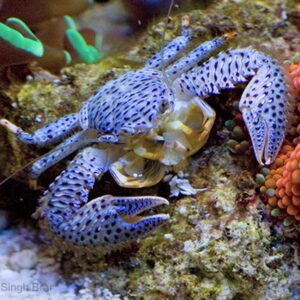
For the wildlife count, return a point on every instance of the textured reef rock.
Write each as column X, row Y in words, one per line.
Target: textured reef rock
column 220, row 244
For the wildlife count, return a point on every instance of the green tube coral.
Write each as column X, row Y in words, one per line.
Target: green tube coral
column 85, row 52
column 29, row 44
column 19, row 45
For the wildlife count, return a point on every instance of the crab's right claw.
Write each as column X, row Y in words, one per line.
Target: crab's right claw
column 264, row 108
column 109, row 222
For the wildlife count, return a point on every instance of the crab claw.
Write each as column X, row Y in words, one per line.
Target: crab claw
column 110, row 221
column 263, row 106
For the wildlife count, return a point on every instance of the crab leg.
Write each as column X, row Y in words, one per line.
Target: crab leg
column 49, row 134
column 194, row 57
column 105, row 221
column 171, row 51
column 70, row 145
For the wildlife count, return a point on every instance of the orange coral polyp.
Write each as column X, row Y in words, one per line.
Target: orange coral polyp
column 279, row 162
column 280, row 193
column 287, row 148
column 292, row 165
column 288, row 188
column 284, row 177
column 296, row 189
column 294, row 73
column 286, row 201
column 280, row 205
column 296, row 200
column 296, row 175
column 292, row 210
column 276, row 177
column 272, row 201
column 296, row 82
column 270, row 183
column 280, row 183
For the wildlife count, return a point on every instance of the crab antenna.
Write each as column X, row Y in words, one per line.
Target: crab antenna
column 163, row 43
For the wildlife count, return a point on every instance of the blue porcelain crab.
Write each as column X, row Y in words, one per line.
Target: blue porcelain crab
column 142, row 124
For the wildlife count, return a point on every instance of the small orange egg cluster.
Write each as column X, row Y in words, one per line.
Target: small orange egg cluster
column 282, row 183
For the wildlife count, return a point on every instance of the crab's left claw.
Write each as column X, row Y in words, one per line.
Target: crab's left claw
column 133, row 225
column 264, row 108
column 109, row 222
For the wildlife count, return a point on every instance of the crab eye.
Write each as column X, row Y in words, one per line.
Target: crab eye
column 164, row 105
